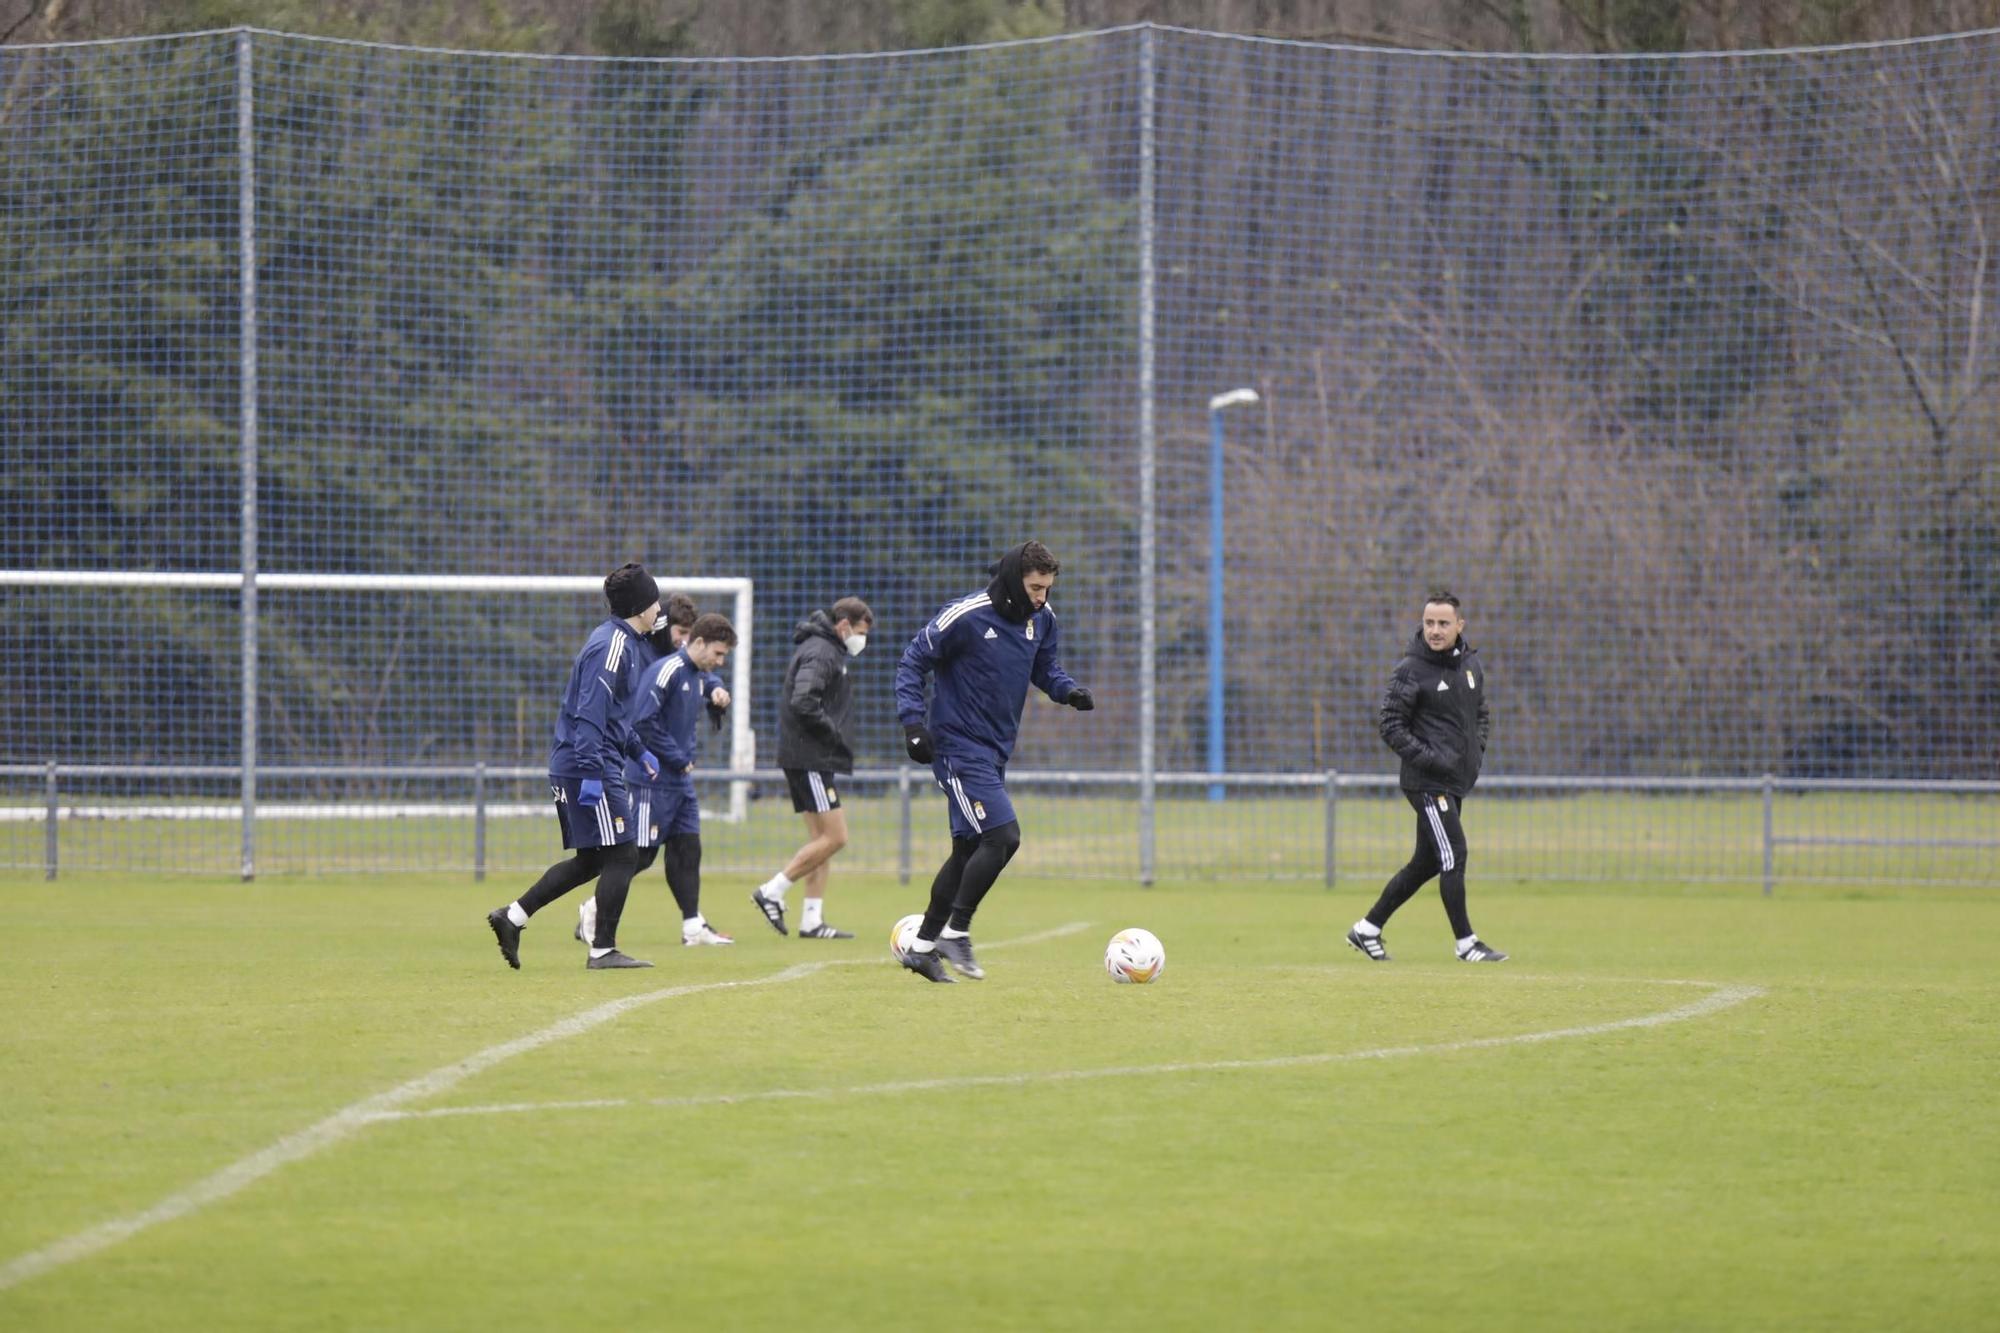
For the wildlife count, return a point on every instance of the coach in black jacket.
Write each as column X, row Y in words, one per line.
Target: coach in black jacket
column 1434, row 716
column 813, row 749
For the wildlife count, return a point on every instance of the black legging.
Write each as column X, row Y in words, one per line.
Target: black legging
column 963, row 880
column 680, row 854
column 1441, row 852
column 611, row 867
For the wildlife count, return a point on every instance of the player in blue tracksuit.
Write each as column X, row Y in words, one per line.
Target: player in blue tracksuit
column 652, row 786
column 983, row 652
column 593, row 739
column 664, row 715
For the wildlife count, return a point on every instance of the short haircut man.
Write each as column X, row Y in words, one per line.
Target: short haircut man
column 813, row 751
column 663, row 714
column 1434, row 716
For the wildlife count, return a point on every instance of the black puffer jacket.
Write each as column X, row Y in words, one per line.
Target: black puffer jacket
column 1434, row 716
column 812, row 717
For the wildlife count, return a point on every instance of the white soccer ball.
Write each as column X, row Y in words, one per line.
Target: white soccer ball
column 903, row 934
column 1135, row 957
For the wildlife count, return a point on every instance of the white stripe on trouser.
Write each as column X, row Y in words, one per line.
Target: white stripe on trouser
column 965, row 805
column 604, row 818
column 819, row 793
column 1446, row 859
column 642, row 811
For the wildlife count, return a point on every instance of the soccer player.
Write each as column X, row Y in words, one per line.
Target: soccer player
column 587, row 774
column 812, row 749
column 1434, row 716
column 677, row 617
column 983, row 651
column 663, row 715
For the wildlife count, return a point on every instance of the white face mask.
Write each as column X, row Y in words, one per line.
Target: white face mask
column 855, row 643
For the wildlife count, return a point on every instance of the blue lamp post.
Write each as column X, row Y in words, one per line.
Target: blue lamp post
column 1217, row 753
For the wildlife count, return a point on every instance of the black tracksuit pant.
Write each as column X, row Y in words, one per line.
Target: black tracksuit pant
column 1440, row 854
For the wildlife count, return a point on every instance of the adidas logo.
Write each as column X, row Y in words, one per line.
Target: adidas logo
column 1441, row 686
column 990, row 634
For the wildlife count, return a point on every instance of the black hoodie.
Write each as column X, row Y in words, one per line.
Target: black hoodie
column 1009, row 586
column 1434, row 716
column 812, row 716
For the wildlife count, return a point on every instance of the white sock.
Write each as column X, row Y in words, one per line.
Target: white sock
column 811, row 914
column 517, row 916
column 950, row 934
column 596, row 952
column 1467, row 943
column 923, row 945
column 692, row 925
column 1366, row 927
column 775, row 886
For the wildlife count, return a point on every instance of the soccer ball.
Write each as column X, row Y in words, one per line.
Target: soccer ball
column 1135, row 957
column 903, row 934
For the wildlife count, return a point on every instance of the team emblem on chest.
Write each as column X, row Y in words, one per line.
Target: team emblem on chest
column 1031, row 629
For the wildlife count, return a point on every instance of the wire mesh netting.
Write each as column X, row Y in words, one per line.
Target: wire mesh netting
column 1677, row 370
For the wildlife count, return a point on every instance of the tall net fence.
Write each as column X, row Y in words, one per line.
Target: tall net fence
column 1678, row 371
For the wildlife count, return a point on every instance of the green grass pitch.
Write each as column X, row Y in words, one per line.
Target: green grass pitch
column 1277, row 1135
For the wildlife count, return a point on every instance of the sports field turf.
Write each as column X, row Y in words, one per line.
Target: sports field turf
column 1679, row 1107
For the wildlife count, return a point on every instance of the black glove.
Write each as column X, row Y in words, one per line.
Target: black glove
column 1080, row 700
column 918, row 741
column 714, row 718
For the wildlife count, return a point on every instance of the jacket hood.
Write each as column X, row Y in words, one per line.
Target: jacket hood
column 1449, row 657
column 816, row 625
column 1008, row 588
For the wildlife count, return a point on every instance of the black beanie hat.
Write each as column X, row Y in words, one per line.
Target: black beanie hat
column 630, row 590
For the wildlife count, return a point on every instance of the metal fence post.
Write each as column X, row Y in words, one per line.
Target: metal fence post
column 903, row 835
column 1149, row 507
column 1332, row 819
column 49, row 833
column 1769, row 782
column 246, row 408
column 478, row 822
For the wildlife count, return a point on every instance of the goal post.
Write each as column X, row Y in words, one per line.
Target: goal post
column 739, row 593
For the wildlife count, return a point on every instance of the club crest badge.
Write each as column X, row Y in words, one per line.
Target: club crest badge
column 1470, row 683
column 979, row 809
column 832, row 796
column 618, row 822
column 1031, row 629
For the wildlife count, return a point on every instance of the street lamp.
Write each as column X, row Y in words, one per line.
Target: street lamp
column 1217, row 755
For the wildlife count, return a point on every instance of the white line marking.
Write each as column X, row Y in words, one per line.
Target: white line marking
column 385, row 1106
column 1724, row 997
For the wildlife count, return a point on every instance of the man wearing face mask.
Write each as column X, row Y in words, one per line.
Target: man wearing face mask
column 813, row 749
column 983, row 652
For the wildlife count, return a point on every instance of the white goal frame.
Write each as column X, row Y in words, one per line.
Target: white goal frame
column 740, row 591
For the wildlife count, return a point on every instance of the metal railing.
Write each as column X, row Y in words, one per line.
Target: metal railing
column 905, row 781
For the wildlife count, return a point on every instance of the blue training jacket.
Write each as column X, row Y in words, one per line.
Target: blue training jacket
column 671, row 697
column 592, row 738
column 983, row 664
column 707, row 682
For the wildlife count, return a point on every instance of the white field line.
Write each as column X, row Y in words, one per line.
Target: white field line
column 385, row 1105
column 1721, row 997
